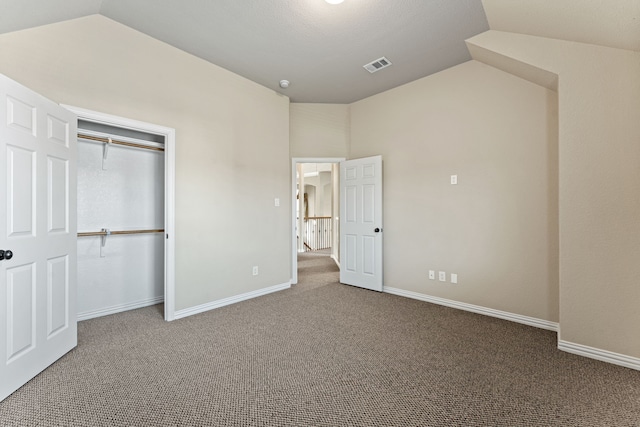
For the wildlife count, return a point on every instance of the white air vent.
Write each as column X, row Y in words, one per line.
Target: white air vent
column 377, row 65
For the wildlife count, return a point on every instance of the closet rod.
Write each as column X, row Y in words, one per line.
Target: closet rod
column 106, row 233
column 115, row 141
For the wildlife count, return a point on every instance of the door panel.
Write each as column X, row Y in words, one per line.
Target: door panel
column 21, row 311
column 21, row 116
column 57, row 294
column 58, row 194
column 361, row 223
column 38, row 224
column 21, row 201
column 58, row 130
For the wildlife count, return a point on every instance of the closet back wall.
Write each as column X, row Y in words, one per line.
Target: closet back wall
column 127, row 195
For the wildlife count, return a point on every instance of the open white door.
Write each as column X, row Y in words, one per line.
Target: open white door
column 361, row 222
column 37, row 234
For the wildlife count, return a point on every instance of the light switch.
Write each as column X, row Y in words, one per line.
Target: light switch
column 277, row 202
column 454, row 179
column 454, row 278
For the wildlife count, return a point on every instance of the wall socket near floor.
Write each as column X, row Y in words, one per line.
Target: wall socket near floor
column 454, row 278
column 442, row 276
column 432, row 275
column 255, row 270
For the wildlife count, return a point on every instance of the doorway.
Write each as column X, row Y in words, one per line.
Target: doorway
column 167, row 136
column 315, row 209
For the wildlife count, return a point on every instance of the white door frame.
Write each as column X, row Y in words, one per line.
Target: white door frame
column 294, row 222
column 169, row 190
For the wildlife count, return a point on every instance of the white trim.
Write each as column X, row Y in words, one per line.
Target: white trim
column 228, row 301
column 598, row 354
column 294, row 222
column 169, row 190
column 119, row 308
column 518, row 318
column 333, row 257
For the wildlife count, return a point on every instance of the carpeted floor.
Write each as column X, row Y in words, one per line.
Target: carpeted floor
column 322, row 354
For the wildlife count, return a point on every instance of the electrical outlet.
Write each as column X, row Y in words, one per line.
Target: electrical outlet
column 442, row 276
column 276, row 202
column 255, row 270
column 432, row 275
column 454, row 179
column 454, row 278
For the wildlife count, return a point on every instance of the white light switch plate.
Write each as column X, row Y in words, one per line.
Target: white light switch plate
column 454, row 179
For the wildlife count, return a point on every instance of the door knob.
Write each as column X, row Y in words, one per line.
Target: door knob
column 377, row 230
column 8, row 255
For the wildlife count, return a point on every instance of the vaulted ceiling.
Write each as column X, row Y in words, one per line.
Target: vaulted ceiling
column 321, row 48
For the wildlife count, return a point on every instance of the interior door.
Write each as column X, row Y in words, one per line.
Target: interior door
column 37, row 234
column 361, row 222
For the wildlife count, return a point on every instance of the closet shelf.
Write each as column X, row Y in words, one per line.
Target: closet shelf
column 106, row 232
column 117, row 142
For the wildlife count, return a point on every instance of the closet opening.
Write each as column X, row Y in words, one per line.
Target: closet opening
column 125, row 191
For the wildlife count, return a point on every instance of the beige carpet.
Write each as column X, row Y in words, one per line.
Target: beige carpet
column 322, row 354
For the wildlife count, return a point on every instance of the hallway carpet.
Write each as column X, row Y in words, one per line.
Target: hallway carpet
column 322, row 354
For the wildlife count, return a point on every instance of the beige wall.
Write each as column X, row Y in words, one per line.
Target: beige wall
column 319, row 130
column 497, row 229
column 232, row 143
column 612, row 23
column 599, row 151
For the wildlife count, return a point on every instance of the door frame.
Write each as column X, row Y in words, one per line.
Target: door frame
column 169, row 190
column 294, row 222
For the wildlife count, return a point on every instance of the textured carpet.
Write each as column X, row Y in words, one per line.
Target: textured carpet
column 322, row 354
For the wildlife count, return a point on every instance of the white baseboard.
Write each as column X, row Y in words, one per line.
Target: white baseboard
column 228, row 301
column 598, row 354
column 119, row 308
column 518, row 318
column 335, row 260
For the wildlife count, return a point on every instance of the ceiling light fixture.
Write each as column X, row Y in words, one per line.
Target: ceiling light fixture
column 284, row 84
column 334, row 1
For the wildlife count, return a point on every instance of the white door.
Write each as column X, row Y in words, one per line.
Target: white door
column 38, row 226
column 361, row 222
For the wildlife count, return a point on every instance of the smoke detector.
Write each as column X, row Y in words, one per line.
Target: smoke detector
column 377, row 65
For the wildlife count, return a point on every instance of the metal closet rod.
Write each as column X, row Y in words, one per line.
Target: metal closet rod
column 111, row 233
column 115, row 141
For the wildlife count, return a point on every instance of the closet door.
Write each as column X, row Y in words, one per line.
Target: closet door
column 38, row 234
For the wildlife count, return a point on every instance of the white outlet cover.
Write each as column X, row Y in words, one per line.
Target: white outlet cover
column 442, row 276
column 454, row 278
column 277, row 202
column 432, row 275
column 454, row 179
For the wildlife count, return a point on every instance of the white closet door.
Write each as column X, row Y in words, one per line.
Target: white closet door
column 38, row 227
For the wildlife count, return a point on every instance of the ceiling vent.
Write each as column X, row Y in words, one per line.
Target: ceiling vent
column 377, row 65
